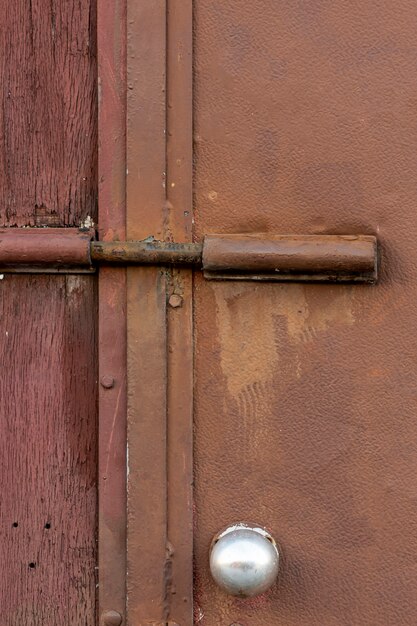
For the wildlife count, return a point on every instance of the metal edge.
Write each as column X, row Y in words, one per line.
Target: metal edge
column 112, row 315
column 180, row 310
column 147, row 578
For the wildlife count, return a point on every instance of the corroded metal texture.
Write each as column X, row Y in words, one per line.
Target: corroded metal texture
column 45, row 249
column 147, row 542
column 147, row 253
column 111, row 20
column 305, row 398
column 257, row 257
column 159, row 204
column 291, row 257
column 179, row 227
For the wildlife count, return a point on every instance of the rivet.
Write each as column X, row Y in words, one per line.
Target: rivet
column 175, row 300
column 112, row 618
column 107, row 382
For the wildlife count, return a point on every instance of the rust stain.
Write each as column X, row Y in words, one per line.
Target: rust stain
column 246, row 323
column 246, row 334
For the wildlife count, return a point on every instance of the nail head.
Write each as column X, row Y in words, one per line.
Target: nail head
column 107, row 382
column 112, row 618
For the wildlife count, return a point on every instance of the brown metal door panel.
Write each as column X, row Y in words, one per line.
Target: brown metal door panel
column 305, row 395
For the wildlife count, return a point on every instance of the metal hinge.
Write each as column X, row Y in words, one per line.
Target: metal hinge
column 312, row 258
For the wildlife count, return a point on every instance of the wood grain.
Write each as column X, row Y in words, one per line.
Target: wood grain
column 48, row 112
column 47, row 450
column 48, row 431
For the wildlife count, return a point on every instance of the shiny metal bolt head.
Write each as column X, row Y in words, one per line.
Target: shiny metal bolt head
column 244, row 560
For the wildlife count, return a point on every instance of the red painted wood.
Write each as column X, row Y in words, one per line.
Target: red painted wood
column 48, row 125
column 47, row 450
column 48, row 413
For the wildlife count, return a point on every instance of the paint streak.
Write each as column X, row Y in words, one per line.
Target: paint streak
column 247, row 318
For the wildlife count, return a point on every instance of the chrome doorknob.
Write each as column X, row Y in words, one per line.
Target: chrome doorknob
column 244, row 560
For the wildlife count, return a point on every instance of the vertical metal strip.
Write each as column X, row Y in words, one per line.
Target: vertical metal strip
column 160, row 356
column 147, row 332
column 180, row 449
column 146, row 119
column 112, row 314
column 112, row 444
column 147, row 478
column 180, row 330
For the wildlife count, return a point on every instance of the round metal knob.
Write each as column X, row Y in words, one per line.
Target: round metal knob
column 244, row 560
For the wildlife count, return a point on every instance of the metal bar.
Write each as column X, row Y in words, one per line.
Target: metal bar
column 179, row 189
column 147, row 443
column 291, row 257
column 147, row 253
column 111, row 18
column 147, row 212
column 53, row 249
column 234, row 257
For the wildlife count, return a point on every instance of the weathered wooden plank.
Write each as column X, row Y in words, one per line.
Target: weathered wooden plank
column 48, row 112
column 48, row 467
column 47, row 450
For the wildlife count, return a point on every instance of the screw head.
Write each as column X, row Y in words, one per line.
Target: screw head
column 107, row 382
column 175, row 300
column 112, row 618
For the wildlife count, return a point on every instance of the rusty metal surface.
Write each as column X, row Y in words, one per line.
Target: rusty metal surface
column 147, row 545
column 111, row 20
column 159, row 204
column 180, row 446
column 50, row 249
column 180, row 311
column 146, row 253
column 305, row 397
column 112, row 442
column 291, row 257
column 259, row 257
